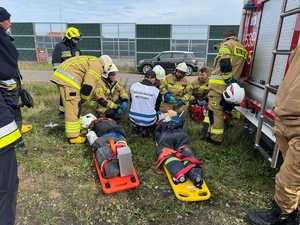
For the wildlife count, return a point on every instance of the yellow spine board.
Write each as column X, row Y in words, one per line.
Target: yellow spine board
column 187, row 191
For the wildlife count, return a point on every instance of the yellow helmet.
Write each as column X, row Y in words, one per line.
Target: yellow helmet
column 72, row 32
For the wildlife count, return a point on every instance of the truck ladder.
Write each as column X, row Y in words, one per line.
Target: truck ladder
column 269, row 88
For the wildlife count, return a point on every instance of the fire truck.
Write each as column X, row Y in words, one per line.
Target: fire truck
column 269, row 30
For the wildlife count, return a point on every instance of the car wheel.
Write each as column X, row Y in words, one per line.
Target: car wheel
column 146, row 68
column 190, row 70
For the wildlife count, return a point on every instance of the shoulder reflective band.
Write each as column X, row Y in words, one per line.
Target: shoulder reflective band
column 216, row 131
column 67, row 77
column 224, row 51
column 66, row 54
column 9, row 134
column 241, row 52
column 72, row 127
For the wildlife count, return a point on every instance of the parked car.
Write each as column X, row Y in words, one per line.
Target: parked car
column 168, row 60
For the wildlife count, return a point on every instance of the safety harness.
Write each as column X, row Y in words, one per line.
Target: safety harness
column 168, row 152
column 114, row 149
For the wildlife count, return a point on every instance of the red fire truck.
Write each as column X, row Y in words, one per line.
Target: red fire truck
column 270, row 30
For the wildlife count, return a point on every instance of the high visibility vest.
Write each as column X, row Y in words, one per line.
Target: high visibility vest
column 143, row 99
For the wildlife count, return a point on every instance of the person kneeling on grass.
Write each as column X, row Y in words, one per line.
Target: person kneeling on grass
column 111, row 96
column 199, row 103
column 145, row 104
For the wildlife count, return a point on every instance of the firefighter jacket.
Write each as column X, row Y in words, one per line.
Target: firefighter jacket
column 232, row 51
column 110, row 95
column 181, row 89
column 8, row 57
column 287, row 105
column 79, row 72
column 10, row 134
column 199, row 89
column 63, row 51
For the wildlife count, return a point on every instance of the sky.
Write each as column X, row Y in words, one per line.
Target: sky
column 211, row 12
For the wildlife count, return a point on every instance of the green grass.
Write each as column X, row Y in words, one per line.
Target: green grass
column 58, row 182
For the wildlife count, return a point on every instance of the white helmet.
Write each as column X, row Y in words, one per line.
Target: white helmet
column 86, row 120
column 112, row 69
column 160, row 72
column 182, row 67
column 234, row 94
column 107, row 62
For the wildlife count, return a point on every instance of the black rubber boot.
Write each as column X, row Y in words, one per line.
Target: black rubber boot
column 211, row 141
column 272, row 216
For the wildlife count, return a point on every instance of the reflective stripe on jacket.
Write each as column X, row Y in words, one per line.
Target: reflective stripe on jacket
column 78, row 71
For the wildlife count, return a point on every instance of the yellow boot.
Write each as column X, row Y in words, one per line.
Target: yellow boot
column 77, row 140
column 26, row 128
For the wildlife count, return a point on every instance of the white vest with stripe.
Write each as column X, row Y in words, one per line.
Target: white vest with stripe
column 143, row 99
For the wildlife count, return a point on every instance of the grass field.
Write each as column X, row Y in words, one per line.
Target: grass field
column 58, row 183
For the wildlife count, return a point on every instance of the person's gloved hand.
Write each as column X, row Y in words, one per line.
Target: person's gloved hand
column 26, row 98
column 124, row 106
column 179, row 102
column 201, row 102
column 169, row 98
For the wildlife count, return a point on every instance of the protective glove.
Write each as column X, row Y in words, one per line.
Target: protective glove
column 124, row 106
column 120, row 111
column 201, row 102
column 26, row 98
column 169, row 98
column 179, row 102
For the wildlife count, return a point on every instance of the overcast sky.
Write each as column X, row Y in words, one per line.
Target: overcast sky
column 132, row 11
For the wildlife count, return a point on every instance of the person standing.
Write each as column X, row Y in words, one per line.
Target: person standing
column 286, row 201
column 10, row 122
column 76, row 79
column 227, row 68
column 64, row 50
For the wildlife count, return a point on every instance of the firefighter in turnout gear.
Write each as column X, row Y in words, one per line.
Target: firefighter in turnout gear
column 111, row 96
column 227, row 67
column 67, row 48
column 199, row 87
column 198, row 104
column 287, row 132
column 176, row 90
column 76, row 79
column 64, row 50
column 10, row 122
